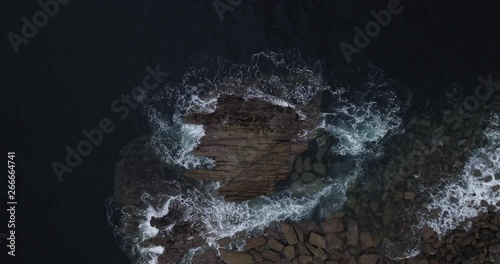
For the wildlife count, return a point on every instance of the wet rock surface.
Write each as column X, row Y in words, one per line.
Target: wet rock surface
column 253, row 144
column 379, row 221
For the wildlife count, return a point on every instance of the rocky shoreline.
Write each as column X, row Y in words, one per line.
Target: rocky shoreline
column 342, row 239
column 378, row 223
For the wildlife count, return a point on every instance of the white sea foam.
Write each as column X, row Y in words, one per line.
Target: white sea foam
column 173, row 141
column 469, row 190
column 225, row 219
column 288, row 81
column 358, row 122
column 150, row 255
column 283, row 79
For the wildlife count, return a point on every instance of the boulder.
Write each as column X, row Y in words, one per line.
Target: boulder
column 318, row 252
column 426, row 232
column 365, row 240
column 275, row 244
column 235, row 257
column 368, row 259
column 319, row 168
column 495, row 248
column 256, row 255
column 332, row 226
column 298, row 165
column 207, row 256
column 308, row 177
column 271, row 255
column 305, row 259
column 409, row 195
column 308, row 227
column 317, row 240
column 307, row 164
column 224, row 241
column 299, row 233
column 274, row 233
column 255, row 242
column 289, row 252
column 289, row 232
column 352, row 232
column 302, row 249
column 333, row 241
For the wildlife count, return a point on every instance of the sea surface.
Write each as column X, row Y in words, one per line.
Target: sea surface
column 92, row 52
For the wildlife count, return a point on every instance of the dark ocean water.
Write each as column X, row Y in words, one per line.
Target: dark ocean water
column 65, row 78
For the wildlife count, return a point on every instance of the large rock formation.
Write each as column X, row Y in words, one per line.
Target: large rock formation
column 253, row 143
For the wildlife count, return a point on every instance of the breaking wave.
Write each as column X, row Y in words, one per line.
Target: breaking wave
column 477, row 187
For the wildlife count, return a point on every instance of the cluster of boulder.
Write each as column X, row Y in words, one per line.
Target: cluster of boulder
column 306, row 243
column 383, row 208
column 255, row 150
column 310, row 169
column 343, row 240
column 480, row 244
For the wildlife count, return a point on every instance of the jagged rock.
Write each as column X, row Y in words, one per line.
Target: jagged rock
column 235, row 257
column 318, row 252
column 253, row 144
column 255, row 242
column 275, row 244
column 289, row 252
column 317, row 240
column 332, row 226
column 320, row 168
column 271, row 255
column 289, row 232
column 368, row 259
